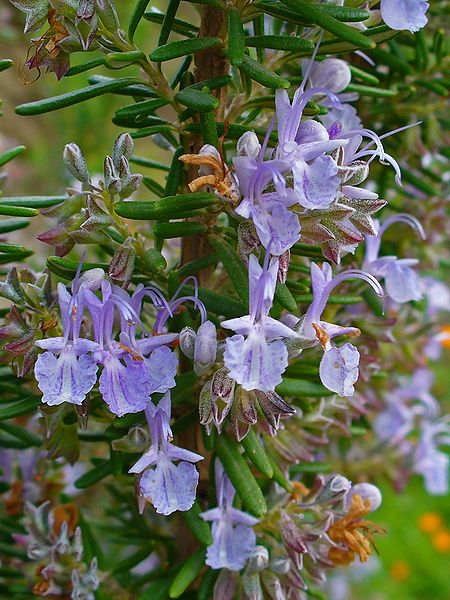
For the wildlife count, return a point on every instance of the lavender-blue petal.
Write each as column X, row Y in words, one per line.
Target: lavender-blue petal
column 170, row 487
column 124, row 387
column 339, row 369
column 231, row 547
column 162, row 368
column 316, row 184
column 67, row 378
column 404, row 14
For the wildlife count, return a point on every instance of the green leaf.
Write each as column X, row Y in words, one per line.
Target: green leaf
column 278, row 475
column 120, row 60
column 288, row 43
column 301, row 388
column 329, row 23
column 262, row 75
column 197, row 100
column 131, row 561
column 236, row 37
column 167, row 25
column 86, row 66
column 136, row 91
column 5, row 63
column 136, row 16
column 375, row 34
column 12, row 225
column 175, row 174
column 91, row 546
column 32, row 201
column 341, row 13
column 334, row 299
column 19, row 408
column 17, row 211
column 66, row 269
column 194, row 266
column 197, row 525
column 363, row 75
column 178, row 26
column 419, row 183
column 151, row 164
column 233, row 265
column 170, row 207
column 179, row 229
column 94, row 475
column 255, row 452
column 240, row 475
column 209, row 129
column 188, row 572
column 8, row 155
column 141, row 109
column 365, row 90
column 153, row 130
column 70, row 98
column 22, row 434
column 284, row 297
column 373, row 302
column 219, row 304
column 183, row 47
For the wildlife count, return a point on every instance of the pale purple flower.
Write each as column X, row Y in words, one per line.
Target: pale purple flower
column 339, row 369
column 66, row 372
column 402, row 283
column 429, row 461
column 367, row 491
column 339, row 366
column 405, row 14
column 233, row 537
column 168, row 486
column 257, row 357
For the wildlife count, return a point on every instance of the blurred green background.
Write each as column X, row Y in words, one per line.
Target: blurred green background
column 414, row 556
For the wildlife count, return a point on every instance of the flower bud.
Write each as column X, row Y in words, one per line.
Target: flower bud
column 281, row 565
column 76, row 163
column 332, row 73
column 205, row 348
column 92, row 279
column 133, row 183
column 108, row 14
column 367, row 491
column 354, row 173
column 259, row 559
column 121, row 266
column 283, row 266
column 335, row 488
column 248, row 239
column 187, row 341
column 312, row 131
column 205, row 404
column 112, row 180
column 123, row 146
column 248, row 145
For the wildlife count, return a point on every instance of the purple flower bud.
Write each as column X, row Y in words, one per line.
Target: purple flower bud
column 132, row 184
column 121, row 266
column 331, row 73
column 76, row 163
column 205, row 347
column 283, row 266
column 367, row 491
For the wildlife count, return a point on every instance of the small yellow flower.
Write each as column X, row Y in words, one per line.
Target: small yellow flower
column 441, row 541
column 429, row 522
column 400, row 570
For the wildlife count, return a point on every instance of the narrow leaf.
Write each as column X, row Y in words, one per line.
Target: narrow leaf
column 179, row 229
column 288, row 43
column 169, row 207
column 188, row 572
column 17, row 211
column 32, row 201
column 197, row 100
column 184, row 47
column 12, row 225
column 233, row 265
column 5, row 63
column 329, row 23
column 22, row 434
column 167, row 25
column 86, row 66
column 240, row 475
column 94, row 475
column 301, row 388
column 262, row 75
column 19, row 408
column 57, row 102
column 137, row 15
column 8, row 155
column 197, row 525
column 236, row 37
column 255, row 452
column 284, row 297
